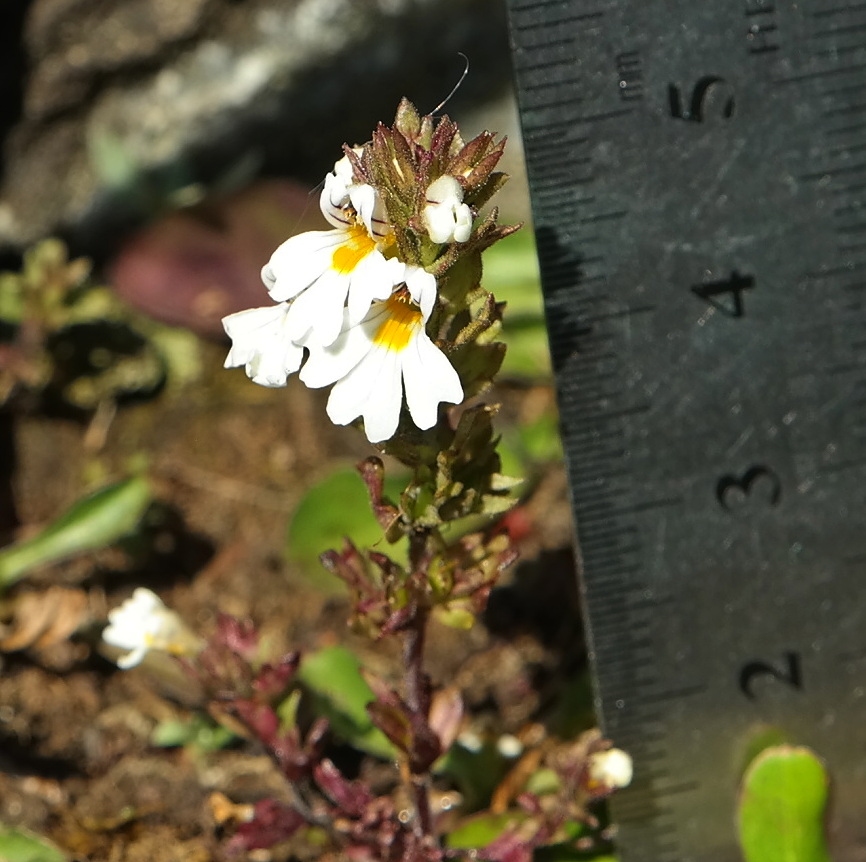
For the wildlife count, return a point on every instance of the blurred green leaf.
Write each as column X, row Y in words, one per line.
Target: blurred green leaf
column 17, row 845
column 94, row 522
column 333, row 676
column 480, row 830
column 335, row 508
column 511, row 274
column 780, row 815
column 528, row 353
column 199, row 732
column 475, row 771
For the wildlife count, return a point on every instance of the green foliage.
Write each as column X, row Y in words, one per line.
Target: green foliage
column 199, row 733
column 98, row 520
column 476, row 773
column 18, row 845
column 511, row 275
column 780, row 815
column 480, row 830
column 67, row 340
column 341, row 694
column 334, row 508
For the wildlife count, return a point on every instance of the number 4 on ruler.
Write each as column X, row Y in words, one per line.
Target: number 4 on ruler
column 735, row 285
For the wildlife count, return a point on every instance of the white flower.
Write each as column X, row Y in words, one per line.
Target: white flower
column 446, row 217
column 320, row 271
column 144, row 623
column 610, row 769
column 374, row 361
column 324, row 270
column 261, row 342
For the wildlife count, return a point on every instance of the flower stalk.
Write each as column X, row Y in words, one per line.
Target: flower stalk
column 387, row 307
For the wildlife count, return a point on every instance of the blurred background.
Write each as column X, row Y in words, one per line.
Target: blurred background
column 115, row 114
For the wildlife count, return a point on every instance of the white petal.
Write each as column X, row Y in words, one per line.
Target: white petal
column 445, row 191
column 131, row 659
column 299, row 261
column 374, row 390
column 462, row 223
column 261, row 343
column 373, row 279
column 429, row 379
column 382, row 411
column 439, row 223
column 326, row 365
column 319, row 309
column 422, row 288
column 364, row 199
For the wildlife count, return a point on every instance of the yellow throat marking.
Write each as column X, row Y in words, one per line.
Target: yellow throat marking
column 357, row 246
column 396, row 331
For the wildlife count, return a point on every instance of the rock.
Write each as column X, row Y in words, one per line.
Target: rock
column 129, row 104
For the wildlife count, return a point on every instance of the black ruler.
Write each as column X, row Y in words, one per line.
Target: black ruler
column 698, row 176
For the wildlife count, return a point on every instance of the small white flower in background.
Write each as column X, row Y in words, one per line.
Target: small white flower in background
column 375, row 361
column 611, row 769
column 446, row 217
column 261, row 343
column 143, row 623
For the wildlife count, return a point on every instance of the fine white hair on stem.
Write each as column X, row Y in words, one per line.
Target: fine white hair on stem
column 456, row 87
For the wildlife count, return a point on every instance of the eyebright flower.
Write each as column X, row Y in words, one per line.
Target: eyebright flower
column 261, row 343
column 446, row 217
column 374, row 362
column 323, row 271
column 144, row 623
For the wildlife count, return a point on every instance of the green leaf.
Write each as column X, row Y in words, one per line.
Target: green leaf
column 480, row 830
column 17, row 845
column 475, row 771
column 341, row 694
column 336, row 508
column 780, row 815
column 198, row 732
column 94, row 522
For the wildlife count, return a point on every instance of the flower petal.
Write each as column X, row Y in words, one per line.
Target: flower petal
column 299, row 261
column 261, row 343
column 373, row 279
column 372, row 389
column 326, row 365
column 319, row 309
column 422, row 288
column 429, row 379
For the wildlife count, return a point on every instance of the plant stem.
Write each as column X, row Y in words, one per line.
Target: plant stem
column 418, row 700
column 417, row 688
